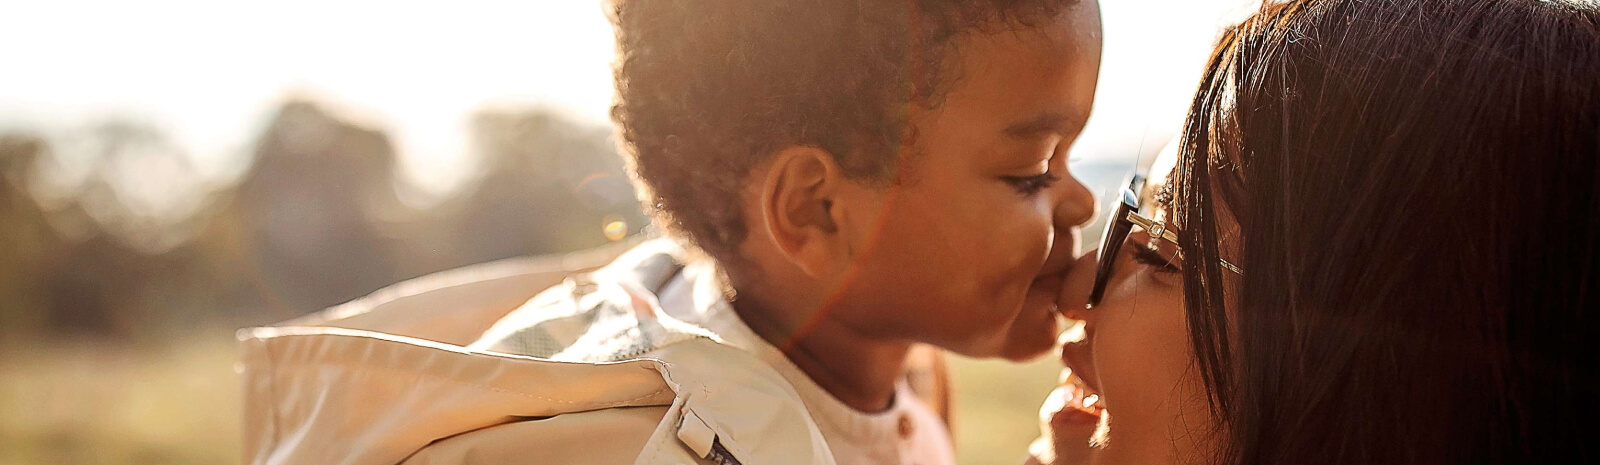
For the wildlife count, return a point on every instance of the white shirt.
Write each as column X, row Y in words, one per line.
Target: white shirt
column 907, row 433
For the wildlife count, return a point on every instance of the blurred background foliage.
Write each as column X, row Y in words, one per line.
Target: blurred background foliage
column 314, row 220
column 116, row 318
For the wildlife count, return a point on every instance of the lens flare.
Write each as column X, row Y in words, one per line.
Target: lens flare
column 615, row 229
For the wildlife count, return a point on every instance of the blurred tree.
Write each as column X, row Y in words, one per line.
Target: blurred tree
column 109, row 257
column 136, row 248
column 549, row 185
column 25, row 239
column 305, row 211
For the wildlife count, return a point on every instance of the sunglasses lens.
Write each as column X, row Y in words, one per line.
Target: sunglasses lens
column 1117, row 228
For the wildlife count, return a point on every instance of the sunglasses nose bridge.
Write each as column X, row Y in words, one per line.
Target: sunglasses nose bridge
column 1117, row 228
column 1130, row 199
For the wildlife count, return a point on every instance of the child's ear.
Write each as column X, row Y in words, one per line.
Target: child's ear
column 801, row 209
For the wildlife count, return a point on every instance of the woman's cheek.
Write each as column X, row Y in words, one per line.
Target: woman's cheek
column 1141, row 353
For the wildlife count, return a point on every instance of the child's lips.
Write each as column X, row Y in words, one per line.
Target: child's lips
column 1053, row 278
column 1056, row 266
column 1063, row 257
column 1044, row 288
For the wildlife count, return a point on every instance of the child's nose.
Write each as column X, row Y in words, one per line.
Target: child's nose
column 1074, row 208
column 1076, row 205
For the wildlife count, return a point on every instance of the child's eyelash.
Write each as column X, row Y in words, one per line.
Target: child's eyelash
column 1146, row 255
column 1029, row 185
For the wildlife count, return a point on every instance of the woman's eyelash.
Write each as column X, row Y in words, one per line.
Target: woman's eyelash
column 1146, row 255
column 1029, row 185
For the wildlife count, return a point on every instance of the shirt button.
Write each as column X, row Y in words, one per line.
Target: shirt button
column 906, row 427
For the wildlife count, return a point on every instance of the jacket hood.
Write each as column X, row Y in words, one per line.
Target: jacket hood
column 377, row 380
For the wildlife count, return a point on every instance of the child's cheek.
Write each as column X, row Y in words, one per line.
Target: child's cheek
column 1029, row 240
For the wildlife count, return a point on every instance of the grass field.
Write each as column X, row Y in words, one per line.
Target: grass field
column 85, row 403
column 997, row 408
column 94, row 404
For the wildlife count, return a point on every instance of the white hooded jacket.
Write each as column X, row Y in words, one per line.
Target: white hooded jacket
column 421, row 373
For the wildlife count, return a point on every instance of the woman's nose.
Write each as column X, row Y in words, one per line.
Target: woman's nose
column 1074, row 299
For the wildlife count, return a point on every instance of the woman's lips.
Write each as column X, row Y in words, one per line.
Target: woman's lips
column 1077, row 351
column 1072, row 403
column 1077, row 354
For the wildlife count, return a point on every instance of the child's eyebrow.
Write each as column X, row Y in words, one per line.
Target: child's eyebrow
column 1048, row 122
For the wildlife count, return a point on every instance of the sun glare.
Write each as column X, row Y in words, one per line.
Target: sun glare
column 208, row 74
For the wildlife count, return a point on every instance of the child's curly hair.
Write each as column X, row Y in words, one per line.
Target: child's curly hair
column 708, row 89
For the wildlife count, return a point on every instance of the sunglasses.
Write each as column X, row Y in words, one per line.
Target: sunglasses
column 1121, row 222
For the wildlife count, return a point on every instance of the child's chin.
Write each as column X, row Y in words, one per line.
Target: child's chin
column 1029, row 335
column 1026, row 352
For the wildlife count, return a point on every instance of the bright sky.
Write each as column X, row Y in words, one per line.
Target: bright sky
column 209, row 73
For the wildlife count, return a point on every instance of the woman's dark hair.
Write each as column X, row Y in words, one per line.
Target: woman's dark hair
column 1415, row 188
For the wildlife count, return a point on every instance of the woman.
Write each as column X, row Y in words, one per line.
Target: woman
column 1389, row 229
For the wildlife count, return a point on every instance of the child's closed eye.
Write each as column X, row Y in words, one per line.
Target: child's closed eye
column 1030, row 185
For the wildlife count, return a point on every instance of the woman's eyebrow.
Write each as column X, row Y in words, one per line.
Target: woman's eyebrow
column 1047, row 122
